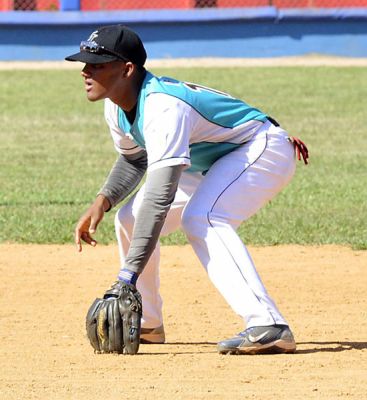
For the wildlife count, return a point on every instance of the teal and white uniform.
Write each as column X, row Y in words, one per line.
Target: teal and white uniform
column 235, row 161
column 183, row 123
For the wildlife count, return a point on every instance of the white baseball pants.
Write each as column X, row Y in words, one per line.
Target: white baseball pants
column 209, row 209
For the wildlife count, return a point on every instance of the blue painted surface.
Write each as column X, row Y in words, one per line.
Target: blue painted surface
column 69, row 5
column 265, row 32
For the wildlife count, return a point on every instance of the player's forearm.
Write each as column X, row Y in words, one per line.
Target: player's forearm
column 123, row 178
column 102, row 202
column 161, row 186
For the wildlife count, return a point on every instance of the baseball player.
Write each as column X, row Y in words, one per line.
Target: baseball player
column 211, row 161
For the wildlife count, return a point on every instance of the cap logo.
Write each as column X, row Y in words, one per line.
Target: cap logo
column 93, row 36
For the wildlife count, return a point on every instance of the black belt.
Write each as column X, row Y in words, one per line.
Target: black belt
column 273, row 121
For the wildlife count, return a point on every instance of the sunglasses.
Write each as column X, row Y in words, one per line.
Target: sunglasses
column 93, row 47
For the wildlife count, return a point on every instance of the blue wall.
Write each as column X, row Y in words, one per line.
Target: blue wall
column 260, row 32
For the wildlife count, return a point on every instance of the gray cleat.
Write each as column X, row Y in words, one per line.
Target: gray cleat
column 260, row 340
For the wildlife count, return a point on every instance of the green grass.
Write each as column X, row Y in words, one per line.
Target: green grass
column 56, row 152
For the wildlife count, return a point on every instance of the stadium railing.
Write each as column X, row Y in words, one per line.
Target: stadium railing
column 109, row 5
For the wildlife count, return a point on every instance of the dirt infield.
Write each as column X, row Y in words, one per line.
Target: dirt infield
column 46, row 290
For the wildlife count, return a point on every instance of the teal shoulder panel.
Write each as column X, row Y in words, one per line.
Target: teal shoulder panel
column 215, row 106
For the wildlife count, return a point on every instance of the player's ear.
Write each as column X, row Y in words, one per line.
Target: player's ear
column 129, row 69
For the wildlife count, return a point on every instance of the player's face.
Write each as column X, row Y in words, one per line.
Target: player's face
column 102, row 80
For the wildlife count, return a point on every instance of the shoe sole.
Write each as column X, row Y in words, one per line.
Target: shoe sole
column 277, row 347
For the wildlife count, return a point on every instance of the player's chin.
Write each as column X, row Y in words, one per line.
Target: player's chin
column 94, row 96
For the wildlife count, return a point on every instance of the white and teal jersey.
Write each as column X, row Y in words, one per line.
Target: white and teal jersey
column 180, row 123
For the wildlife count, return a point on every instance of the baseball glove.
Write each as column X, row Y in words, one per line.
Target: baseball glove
column 113, row 323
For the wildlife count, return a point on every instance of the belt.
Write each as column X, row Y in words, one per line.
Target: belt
column 273, row 121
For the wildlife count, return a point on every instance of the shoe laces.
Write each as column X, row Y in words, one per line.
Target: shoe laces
column 246, row 331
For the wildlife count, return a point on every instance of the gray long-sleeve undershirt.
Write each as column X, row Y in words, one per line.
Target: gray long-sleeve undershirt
column 160, row 190
column 124, row 177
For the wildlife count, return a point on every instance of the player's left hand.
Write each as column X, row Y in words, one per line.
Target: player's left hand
column 300, row 148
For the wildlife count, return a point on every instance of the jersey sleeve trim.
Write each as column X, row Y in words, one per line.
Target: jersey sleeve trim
column 169, row 162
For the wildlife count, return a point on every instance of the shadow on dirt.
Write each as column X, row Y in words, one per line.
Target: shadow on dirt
column 319, row 347
column 332, row 347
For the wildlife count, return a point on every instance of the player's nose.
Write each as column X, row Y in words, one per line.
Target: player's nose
column 85, row 72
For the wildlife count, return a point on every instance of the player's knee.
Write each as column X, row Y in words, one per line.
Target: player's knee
column 194, row 223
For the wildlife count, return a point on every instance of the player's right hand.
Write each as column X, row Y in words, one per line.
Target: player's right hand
column 89, row 221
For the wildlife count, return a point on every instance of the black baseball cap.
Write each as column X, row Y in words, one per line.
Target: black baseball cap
column 111, row 43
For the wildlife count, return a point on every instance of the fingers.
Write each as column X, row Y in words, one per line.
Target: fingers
column 93, row 225
column 78, row 245
column 83, row 236
column 82, row 233
column 88, row 239
column 301, row 149
column 88, row 223
column 77, row 237
column 298, row 153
